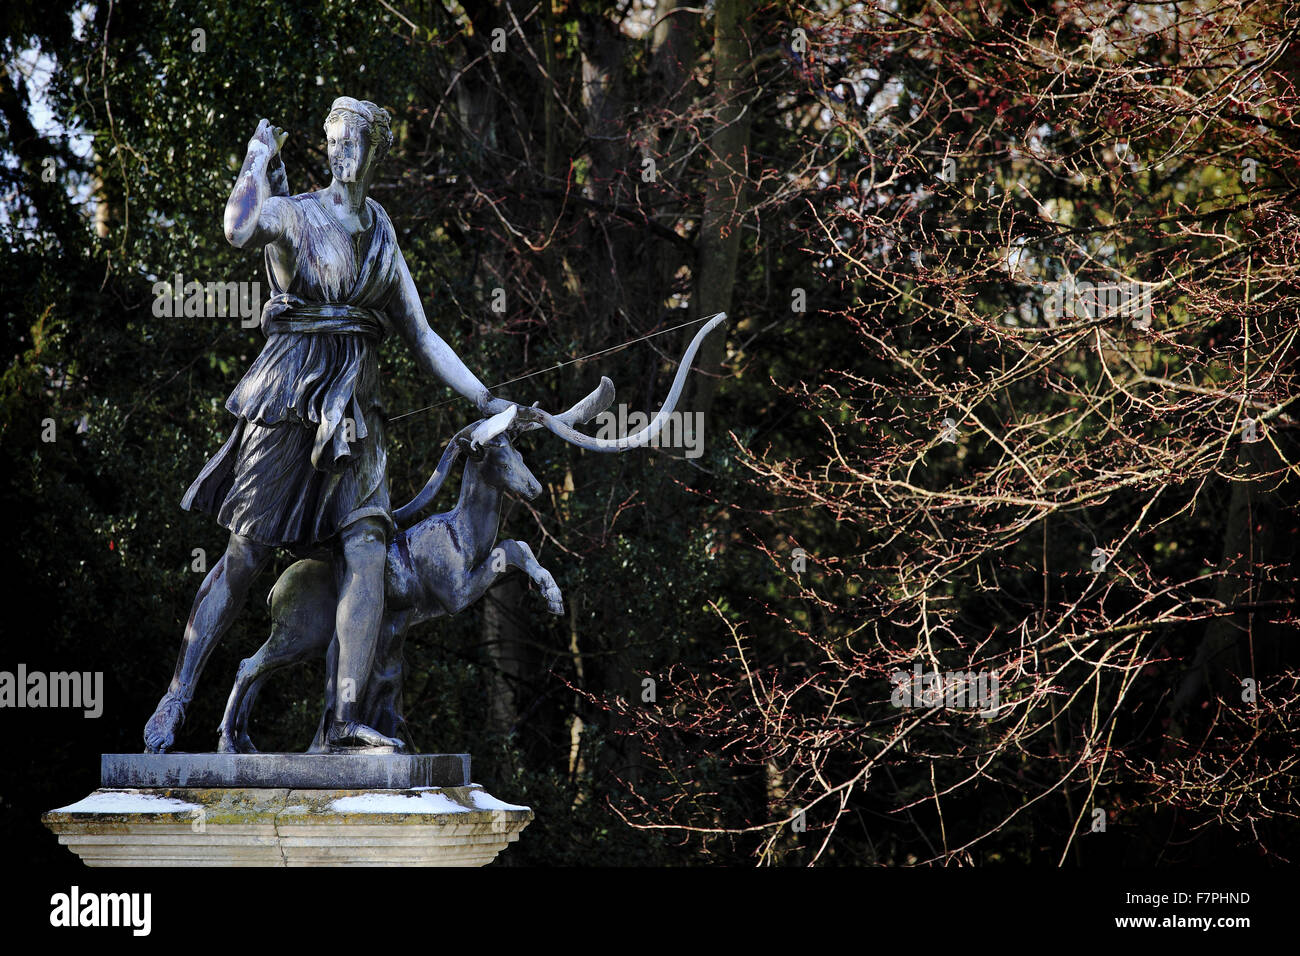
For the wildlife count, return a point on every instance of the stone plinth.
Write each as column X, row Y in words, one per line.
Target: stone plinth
column 285, row 771
column 287, row 810
column 229, row 826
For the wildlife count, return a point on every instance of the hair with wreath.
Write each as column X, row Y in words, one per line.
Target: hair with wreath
column 379, row 132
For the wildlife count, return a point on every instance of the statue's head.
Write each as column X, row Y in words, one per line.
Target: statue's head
column 357, row 135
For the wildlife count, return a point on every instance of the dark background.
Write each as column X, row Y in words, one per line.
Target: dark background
column 790, row 168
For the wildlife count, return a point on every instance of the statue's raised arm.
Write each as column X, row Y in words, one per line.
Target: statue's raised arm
column 253, row 216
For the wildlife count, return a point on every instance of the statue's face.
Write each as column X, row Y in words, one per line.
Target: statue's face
column 350, row 153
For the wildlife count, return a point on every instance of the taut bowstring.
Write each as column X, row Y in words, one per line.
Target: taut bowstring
column 558, row 365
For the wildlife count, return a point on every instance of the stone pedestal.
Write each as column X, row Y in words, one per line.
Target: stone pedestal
column 222, row 810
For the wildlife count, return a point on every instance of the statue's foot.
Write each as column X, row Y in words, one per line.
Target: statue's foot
column 245, row 744
column 352, row 737
column 160, row 731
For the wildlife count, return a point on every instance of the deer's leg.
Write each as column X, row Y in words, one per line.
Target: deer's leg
column 505, row 555
column 475, row 582
column 226, row 729
column 232, row 735
column 320, row 743
column 521, row 556
column 244, row 743
column 288, row 644
column 383, row 710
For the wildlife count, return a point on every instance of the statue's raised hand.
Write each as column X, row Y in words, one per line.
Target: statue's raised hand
column 488, row 406
column 271, row 137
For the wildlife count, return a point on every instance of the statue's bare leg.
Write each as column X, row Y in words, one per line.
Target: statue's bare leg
column 360, row 611
column 220, row 599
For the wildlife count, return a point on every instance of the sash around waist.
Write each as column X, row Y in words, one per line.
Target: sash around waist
column 325, row 382
column 288, row 313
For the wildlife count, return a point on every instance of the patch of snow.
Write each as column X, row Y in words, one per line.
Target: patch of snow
column 430, row 801
column 128, row 801
column 418, row 800
column 483, row 800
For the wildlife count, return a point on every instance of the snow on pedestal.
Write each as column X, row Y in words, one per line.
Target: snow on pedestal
column 231, row 826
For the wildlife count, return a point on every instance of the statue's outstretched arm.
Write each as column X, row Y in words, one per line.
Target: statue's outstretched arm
column 434, row 355
column 254, row 214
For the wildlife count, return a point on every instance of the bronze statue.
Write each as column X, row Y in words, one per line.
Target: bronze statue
column 305, row 467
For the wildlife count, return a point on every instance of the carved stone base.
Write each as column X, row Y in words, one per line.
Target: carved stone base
column 242, row 826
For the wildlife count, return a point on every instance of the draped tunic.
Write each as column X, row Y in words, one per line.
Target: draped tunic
column 306, row 455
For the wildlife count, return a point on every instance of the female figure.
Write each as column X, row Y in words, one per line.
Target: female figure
column 305, row 467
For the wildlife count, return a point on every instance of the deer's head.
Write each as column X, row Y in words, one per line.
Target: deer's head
column 490, row 445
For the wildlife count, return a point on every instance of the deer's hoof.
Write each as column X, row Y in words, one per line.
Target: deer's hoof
column 234, row 743
column 554, row 599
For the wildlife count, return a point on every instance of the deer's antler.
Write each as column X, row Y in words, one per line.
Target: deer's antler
column 563, row 427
